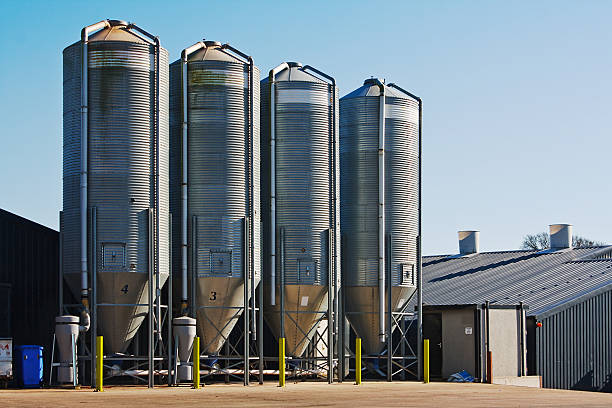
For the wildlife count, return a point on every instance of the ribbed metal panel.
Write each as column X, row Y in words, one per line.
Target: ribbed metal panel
column 359, row 123
column 302, row 176
column 574, row 350
column 304, row 198
column 218, row 173
column 121, row 181
column 359, row 187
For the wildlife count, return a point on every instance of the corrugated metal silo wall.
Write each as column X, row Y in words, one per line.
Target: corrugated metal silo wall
column 574, row 346
column 29, row 261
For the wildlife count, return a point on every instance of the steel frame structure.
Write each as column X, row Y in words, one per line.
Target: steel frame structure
column 158, row 316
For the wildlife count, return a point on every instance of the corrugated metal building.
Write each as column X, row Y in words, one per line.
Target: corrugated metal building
column 567, row 290
column 29, row 262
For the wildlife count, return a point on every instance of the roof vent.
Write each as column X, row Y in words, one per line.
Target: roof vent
column 560, row 236
column 469, row 242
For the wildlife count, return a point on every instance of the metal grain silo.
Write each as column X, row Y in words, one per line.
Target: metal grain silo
column 214, row 121
column 380, row 201
column 299, row 196
column 115, row 220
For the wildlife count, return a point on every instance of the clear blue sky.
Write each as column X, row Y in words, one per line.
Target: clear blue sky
column 517, row 129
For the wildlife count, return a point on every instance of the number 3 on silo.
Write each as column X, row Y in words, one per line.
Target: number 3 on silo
column 213, row 296
column 125, row 289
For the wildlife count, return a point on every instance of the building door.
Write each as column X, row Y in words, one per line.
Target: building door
column 432, row 330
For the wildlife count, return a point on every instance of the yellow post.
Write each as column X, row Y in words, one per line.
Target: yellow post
column 196, row 362
column 358, row 361
column 426, row 361
column 281, row 362
column 99, row 363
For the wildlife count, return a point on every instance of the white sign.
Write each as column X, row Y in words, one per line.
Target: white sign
column 468, row 330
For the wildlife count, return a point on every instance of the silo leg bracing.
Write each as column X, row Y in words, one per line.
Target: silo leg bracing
column 299, row 202
column 379, row 162
column 116, row 205
column 214, row 121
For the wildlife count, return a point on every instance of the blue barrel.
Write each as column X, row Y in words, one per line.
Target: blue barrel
column 28, row 366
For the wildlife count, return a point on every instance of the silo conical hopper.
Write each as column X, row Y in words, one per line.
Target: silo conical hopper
column 215, row 171
column 379, row 162
column 299, row 196
column 115, row 220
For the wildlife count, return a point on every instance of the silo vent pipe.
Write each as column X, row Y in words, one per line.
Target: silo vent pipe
column 381, row 214
column 185, row 56
column 273, row 73
column 85, row 32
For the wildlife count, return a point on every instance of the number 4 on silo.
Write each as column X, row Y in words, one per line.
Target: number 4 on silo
column 125, row 289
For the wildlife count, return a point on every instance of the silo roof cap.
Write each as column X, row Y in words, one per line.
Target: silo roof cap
column 118, row 31
column 115, row 23
column 370, row 87
column 214, row 52
column 295, row 73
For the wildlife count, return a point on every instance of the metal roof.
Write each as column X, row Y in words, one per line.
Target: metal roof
column 543, row 280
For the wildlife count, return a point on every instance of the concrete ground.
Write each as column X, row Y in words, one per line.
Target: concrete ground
column 305, row 394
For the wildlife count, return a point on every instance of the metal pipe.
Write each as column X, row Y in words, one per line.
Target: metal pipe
column 184, row 163
column 246, row 266
column 151, row 348
column 419, row 237
column 60, row 285
column 251, row 201
column 84, row 151
column 522, row 338
column 282, row 282
column 389, row 262
column 157, row 209
column 260, row 342
column 330, row 308
column 272, row 75
column 381, row 214
column 169, row 300
column 249, row 188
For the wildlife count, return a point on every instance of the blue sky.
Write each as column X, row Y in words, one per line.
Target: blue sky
column 516, row 95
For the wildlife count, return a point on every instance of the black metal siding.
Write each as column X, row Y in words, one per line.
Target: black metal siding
column 574, row 347
column 29, row 262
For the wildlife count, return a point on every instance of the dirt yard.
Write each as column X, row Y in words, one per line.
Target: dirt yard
column 370, row 394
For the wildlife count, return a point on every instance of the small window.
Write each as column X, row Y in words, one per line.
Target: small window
column 113, row 255
column 220, row 262
column 307, row 269
column 407, row 274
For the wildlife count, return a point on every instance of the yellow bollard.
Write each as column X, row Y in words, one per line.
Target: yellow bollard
column 99, row 363
column 426, row 361
column 281, row 362
column 196, row 363
column 358, row 361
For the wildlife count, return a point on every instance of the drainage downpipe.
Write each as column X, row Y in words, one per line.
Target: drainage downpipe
column 381, row 215
column 83, row 184
column 273, row 73
column 184, row 56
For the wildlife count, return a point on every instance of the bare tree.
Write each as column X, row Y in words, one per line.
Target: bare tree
column 541, row 241
column 536, row 241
